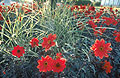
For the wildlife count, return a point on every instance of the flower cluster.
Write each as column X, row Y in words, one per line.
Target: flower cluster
column 97, row 18
column 47, row 43
column 101, row 49
column 107, row 67
column 49, row 64
column 117, row 34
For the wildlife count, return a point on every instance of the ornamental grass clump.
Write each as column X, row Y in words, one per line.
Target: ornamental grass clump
column 38, row 41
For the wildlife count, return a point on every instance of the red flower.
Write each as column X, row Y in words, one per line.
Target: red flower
column 17, row 5
column 18, row 51
column 107, row 21
column 92, row 24
column 59, row 65
column 111, row 9
column 80, row 25
column 72, row 8
column 107, row 67
column 91, row 8
column 4, row 72
column 95, row 32
column 114, row 22
column 34, row 42
column 100, row 48
column 0, row 28
column 45, row 64
column 115, row 33
column 58, row 55
column 48, row 42
column 102, row 9
column 98, row 14
column 82, row 7
column 8, row 22
column 1, row 18
column 101, row 30
column 0, row 8
column 3, row 3
column 116, row 10
column 118, row 37
column 28, row 11
column 76, row 7
column 91, row 17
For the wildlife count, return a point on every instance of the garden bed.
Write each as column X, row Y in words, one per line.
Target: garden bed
column 69, row 41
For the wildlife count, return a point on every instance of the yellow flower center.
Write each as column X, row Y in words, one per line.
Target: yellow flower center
column 106, row 66
column 107, row 21
column 57, row 57
column 101, row 48
column 49, row 41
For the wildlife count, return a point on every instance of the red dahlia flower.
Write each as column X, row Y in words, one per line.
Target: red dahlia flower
column 18, row 51
column 0, row 28
column 114, row 22
column 102, row 30
column 4, row 72
column 45, row 64
column 28, row 11
column 80, row 25
column 34, row 42
column 3, row 3
column 91, row 8
column 1, row 18
column 100, row 48
column 59, row 65
column 90, row 22
column 72, row 8
column 76, row 7
column 95, row 32
column 118, row 37
column 107, row 67
column 116, row 10
column 48, row 42
column 98, row 14
column 83, row 7
column 107, row 21
column 91, row 17
column 0, row 8
column 115, row 33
